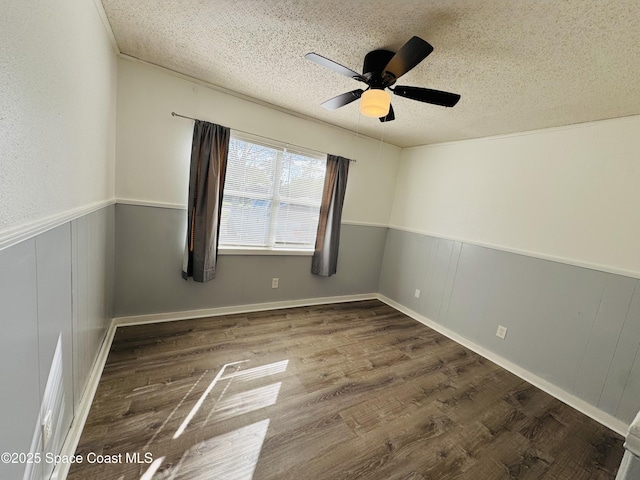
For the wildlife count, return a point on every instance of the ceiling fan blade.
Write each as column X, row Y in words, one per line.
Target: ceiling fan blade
column 342, row 100
column 409, row 55
column 390, row 116
column 427, row 95
column 336, row 67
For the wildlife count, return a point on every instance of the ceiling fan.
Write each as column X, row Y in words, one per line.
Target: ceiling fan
column 380, row 71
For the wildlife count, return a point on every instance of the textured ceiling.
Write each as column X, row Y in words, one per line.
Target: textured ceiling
column 518, row 65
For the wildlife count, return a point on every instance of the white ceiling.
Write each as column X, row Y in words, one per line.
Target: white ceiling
column 518, row 64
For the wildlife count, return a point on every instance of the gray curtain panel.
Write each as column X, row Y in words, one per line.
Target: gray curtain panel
column 325, row 256
column 206, row 187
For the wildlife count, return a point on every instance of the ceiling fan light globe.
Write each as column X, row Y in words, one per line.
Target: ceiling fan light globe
column 375, row 103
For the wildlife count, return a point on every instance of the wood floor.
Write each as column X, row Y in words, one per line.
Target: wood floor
column 354, row 390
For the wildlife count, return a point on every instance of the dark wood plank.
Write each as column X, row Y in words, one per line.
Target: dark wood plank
column 355, row 390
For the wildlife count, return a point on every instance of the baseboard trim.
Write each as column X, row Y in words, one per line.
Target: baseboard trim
column 70, row 444
column 231, row 310
column 589, row 410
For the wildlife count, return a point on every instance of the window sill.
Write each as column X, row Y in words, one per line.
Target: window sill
column 264, row 251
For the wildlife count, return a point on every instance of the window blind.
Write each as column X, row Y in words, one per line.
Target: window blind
column 272, row 195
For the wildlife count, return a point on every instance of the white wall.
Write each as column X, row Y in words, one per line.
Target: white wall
column 153, row 148
column 57, row 110
column 571, row 194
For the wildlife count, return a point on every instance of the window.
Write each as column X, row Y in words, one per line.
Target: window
column 272, row 195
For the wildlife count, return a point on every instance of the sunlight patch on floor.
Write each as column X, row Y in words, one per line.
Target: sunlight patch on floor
column 258, row 372
column 230, row 456
column 247, row 401
column 153, row 468
column 201, row 400
column 175, row 409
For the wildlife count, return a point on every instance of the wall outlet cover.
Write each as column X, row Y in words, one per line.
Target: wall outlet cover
column 274, row 282
column 417, row 294
column 501, row 332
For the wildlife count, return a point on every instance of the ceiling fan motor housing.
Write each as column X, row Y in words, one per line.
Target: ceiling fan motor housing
column 372, row 69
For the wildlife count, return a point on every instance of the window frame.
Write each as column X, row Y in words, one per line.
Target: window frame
column 272, row 248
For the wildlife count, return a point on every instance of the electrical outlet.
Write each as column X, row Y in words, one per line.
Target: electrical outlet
column 274, row 282
column 501, row 332
column 46, row 428
column 417, row 294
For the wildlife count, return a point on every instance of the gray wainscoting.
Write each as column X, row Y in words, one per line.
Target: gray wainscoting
column 93, row 265
column 56, row 285
column 18, row 352
column 574, row 327
column 149, row 249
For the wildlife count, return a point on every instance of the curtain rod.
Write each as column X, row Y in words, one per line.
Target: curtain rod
column 174, row 114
